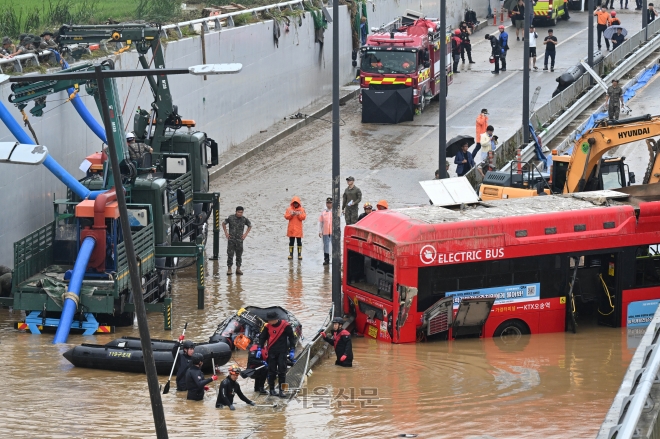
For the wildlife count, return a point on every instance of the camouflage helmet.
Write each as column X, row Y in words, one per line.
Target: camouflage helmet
column 6, row 40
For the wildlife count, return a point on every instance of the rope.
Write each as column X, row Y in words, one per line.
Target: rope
column 128, row 94
column 72, row 296
column 29, row 125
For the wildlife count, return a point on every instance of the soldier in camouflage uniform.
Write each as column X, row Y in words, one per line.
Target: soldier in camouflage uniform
column 235, row 238
column 24, row 47
column 351, row 202
column 7, row 47
column 47, row 41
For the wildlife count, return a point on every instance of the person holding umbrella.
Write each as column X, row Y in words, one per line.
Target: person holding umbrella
column 465, row 159
column 616, row 34
column 618, row 38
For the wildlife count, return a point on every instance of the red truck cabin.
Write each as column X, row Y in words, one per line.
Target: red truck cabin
column 505, row 267
column 407, row 57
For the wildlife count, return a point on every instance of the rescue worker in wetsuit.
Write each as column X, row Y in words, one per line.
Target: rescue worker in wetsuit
column 276, row 343
column 183, row 362
column 195, row 381
column 260, row 375
column 341, row 340
column 230, row 387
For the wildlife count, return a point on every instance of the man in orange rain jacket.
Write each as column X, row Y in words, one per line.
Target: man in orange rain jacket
column 295, row 214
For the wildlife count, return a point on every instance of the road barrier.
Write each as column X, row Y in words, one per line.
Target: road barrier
column 634, row 412
column 556, row 114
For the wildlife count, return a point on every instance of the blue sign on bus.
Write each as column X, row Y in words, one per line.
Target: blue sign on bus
column 502, row 295
column 641, row 313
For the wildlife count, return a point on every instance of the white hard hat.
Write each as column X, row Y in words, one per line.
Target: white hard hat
column 130, row 136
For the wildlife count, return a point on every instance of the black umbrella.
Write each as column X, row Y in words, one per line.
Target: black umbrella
column 455, row 144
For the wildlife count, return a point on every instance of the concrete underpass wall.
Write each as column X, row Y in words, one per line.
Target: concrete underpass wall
column 275, row 82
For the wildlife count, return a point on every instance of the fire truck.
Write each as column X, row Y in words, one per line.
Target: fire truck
column 400, row 70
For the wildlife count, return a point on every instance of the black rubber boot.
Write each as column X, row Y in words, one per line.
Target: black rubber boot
column 281, row 394
column 261, row 390
column 271, row 388
column 326, row 258
column 290, row 252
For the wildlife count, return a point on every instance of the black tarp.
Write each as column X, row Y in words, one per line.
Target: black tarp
column 387, row 106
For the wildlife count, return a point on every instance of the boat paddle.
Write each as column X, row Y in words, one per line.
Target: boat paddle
column 248, row 373
column 166, row 390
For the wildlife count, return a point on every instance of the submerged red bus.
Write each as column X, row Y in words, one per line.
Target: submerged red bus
column 516, row 266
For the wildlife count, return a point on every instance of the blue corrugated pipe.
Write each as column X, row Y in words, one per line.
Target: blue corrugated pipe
column 50, row 163
column 69, row 306
column 79, row 105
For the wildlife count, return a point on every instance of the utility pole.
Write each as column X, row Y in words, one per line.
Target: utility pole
column 645, row 18
column 590, row 40
column 136, row 285
column 525, row 109
column 336, row 220
column 442, row 101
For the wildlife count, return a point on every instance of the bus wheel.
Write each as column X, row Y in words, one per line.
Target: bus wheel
column 511, row 331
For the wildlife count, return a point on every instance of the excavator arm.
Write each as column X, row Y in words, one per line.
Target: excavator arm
column 143, row 37
column 590, row 148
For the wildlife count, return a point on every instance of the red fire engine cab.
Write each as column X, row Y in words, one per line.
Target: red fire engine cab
column 400, row 71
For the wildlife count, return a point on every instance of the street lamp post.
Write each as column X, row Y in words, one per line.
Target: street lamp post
column 336, row 220
column 100, row 76
column 525, row 109
column 590, row 40
column 442, row 110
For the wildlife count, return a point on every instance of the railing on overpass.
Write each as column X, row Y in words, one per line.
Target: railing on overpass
column 17, row 61
column 228, row 18
column 567, row 105
column 634, row 413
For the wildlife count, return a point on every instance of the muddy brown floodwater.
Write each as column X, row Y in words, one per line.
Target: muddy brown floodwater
column 546, row 386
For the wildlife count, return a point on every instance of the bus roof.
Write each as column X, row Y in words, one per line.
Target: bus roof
column 521, row 219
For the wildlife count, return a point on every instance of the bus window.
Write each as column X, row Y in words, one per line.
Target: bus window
column 647, row 266
column 370, row 275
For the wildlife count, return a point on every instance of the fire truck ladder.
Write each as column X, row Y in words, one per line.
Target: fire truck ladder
column 571, row 297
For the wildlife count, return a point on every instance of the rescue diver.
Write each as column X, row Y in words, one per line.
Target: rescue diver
column 228, row 387
column 274, row 341
column 341, row 340
column 183, row 362
column 195, row 381
column 260, row 375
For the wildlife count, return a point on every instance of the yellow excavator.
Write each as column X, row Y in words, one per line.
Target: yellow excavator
column 585, row 169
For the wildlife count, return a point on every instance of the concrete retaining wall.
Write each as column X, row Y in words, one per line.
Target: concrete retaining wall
column 275, row 82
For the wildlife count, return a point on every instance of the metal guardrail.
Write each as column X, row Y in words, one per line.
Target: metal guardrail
column 566, row 100
column 623, row 419
column 16, row 61
column 216, row 20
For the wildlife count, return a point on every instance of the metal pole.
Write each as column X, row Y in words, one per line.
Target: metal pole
column 645, row 18
column 525, row 107
column 136, row 286
column 336, row 221
column 442, row 112
column 590, row 40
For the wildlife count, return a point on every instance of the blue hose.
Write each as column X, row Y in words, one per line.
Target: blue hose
column 69, row 306
column 50, row 163
column 79, row 105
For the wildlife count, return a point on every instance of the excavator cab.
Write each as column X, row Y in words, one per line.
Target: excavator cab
column 529, row 182
column 611, row 173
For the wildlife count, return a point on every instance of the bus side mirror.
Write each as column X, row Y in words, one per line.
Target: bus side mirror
column 631, row 178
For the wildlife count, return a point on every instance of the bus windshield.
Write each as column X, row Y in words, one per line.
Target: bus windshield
column 370, row 275
column 384, row 62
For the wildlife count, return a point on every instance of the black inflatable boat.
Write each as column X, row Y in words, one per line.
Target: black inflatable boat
column 248, row 323
column 125, row 355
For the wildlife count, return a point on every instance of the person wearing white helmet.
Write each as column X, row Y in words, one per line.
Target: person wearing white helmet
column 136, row 150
